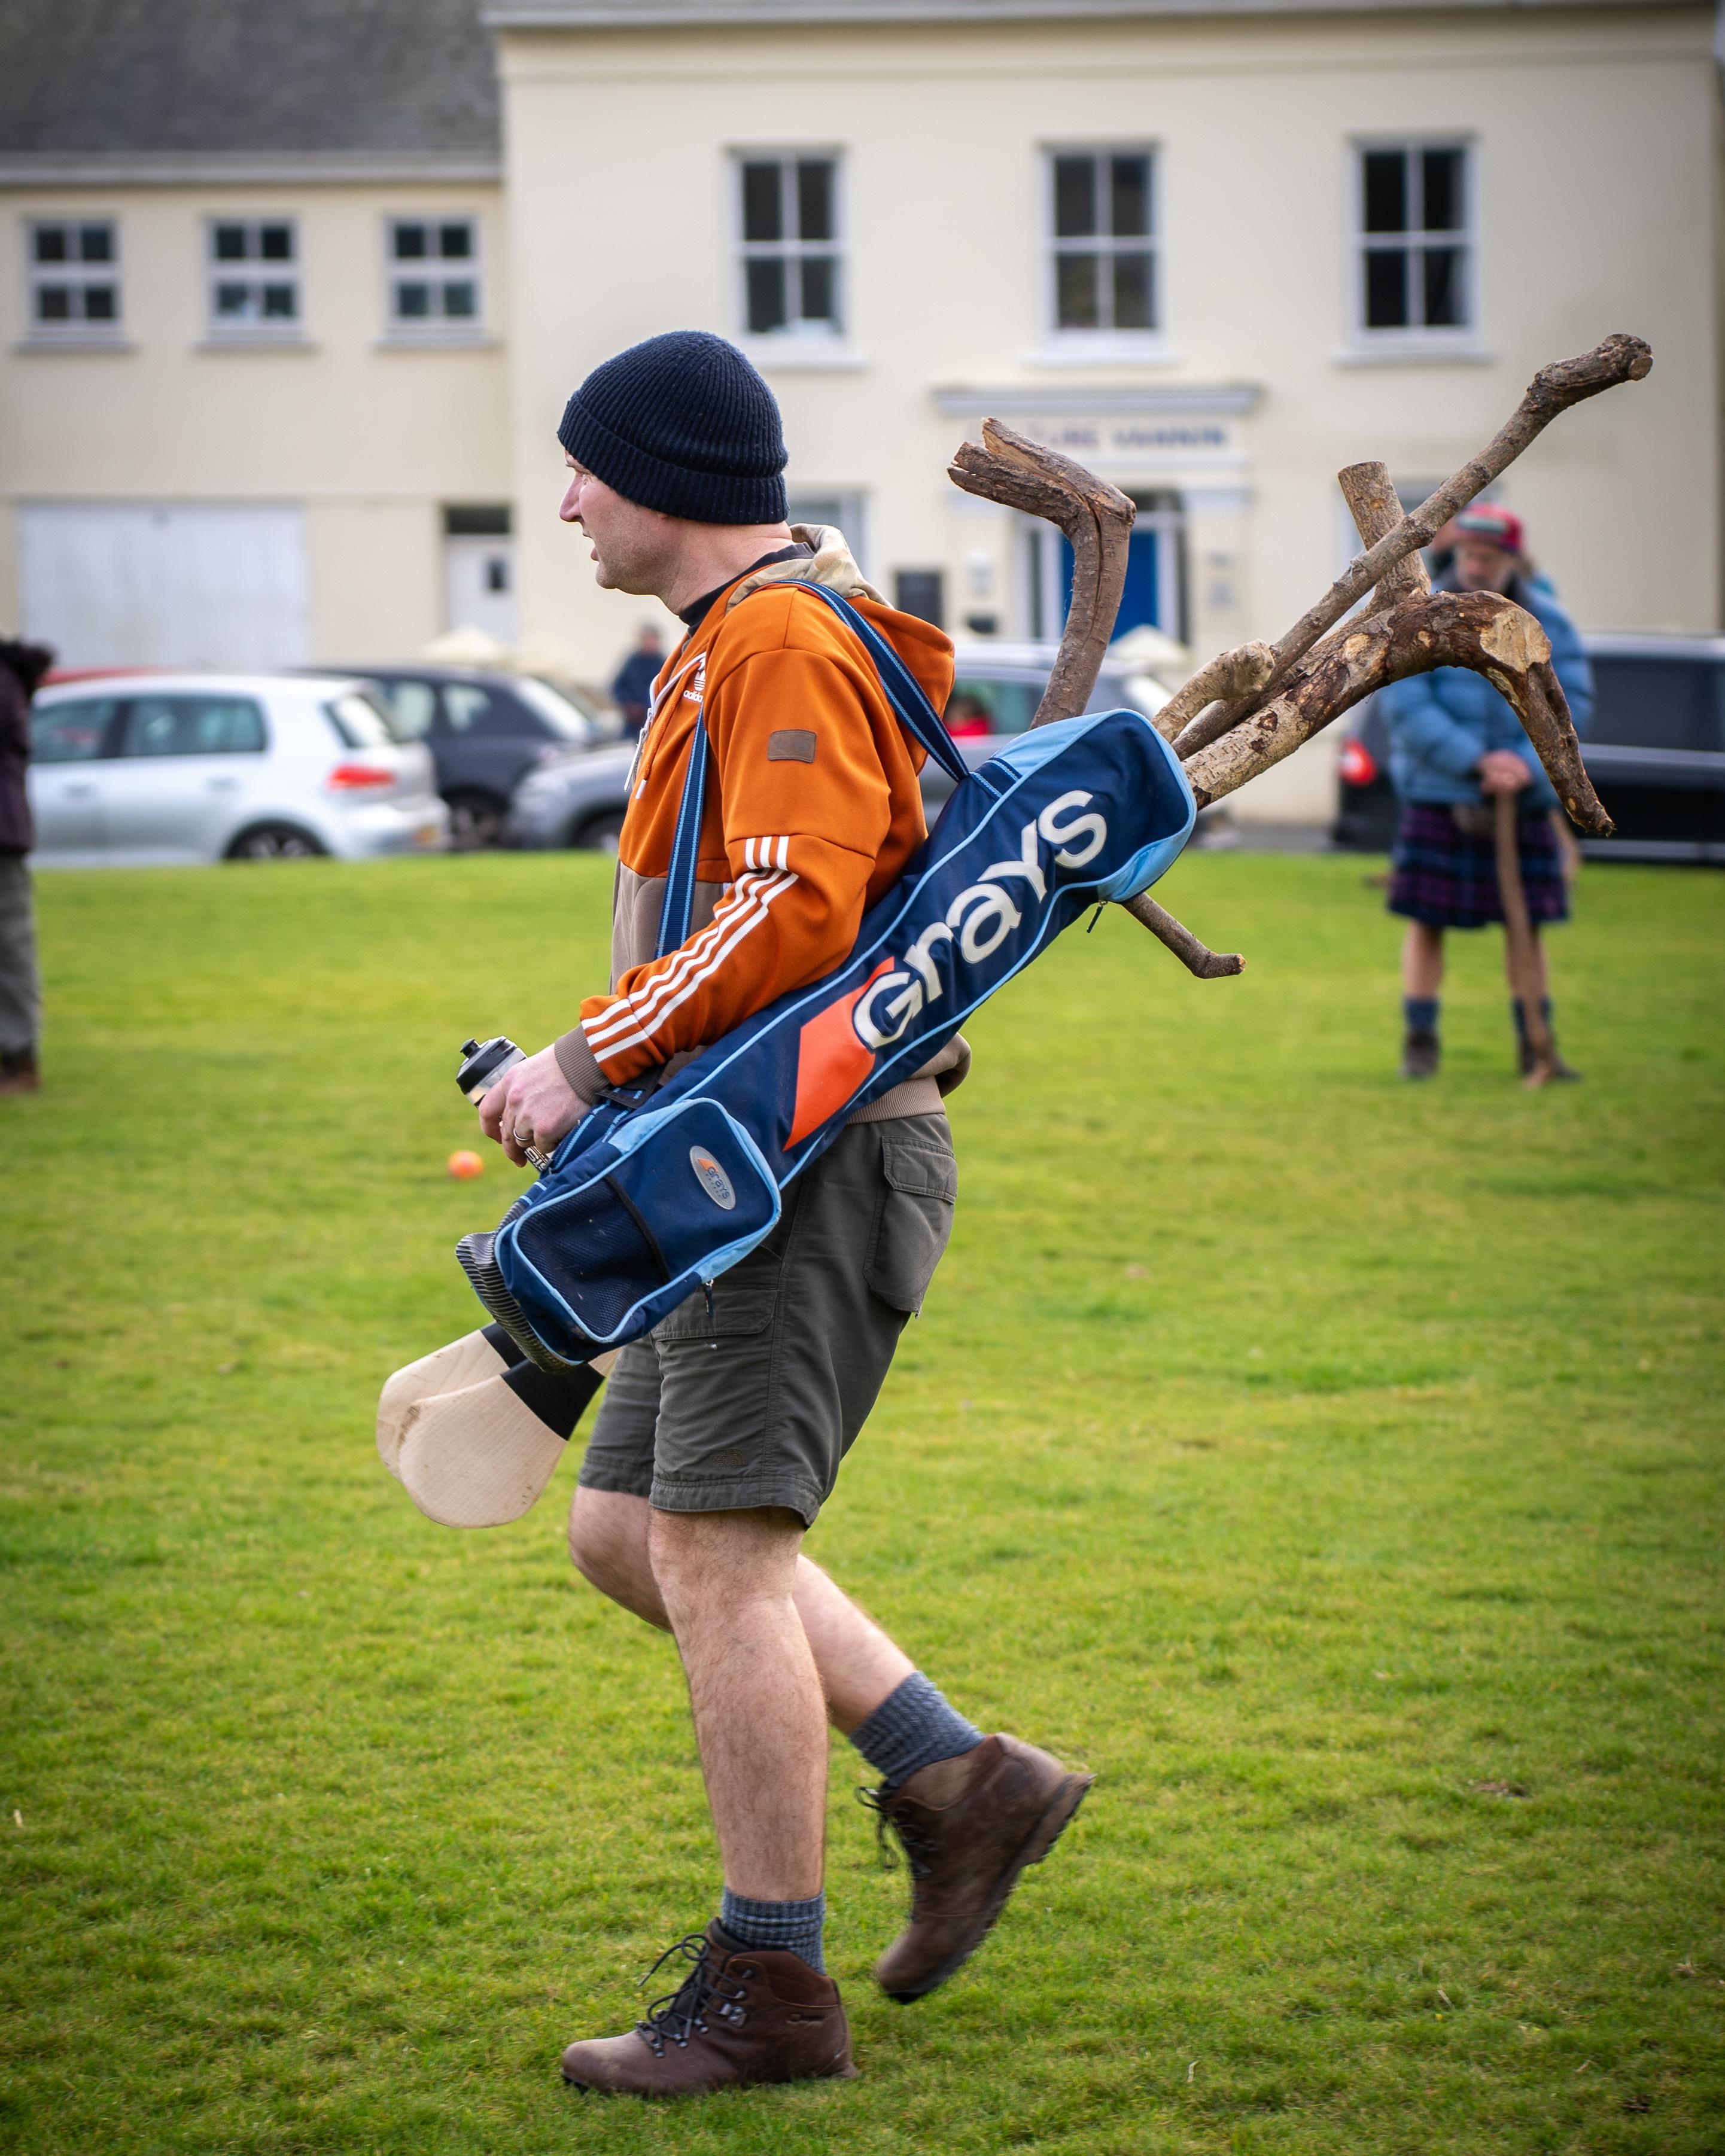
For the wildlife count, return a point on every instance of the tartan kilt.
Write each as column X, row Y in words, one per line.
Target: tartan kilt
column 1440, row 875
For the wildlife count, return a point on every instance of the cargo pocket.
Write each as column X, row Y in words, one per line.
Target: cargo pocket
column 914, row 1217
column 743, row 1301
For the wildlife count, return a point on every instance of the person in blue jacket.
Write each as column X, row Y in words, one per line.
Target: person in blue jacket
column 633, row 689
column 1454, row 743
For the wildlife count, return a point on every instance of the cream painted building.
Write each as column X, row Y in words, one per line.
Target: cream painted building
column 1216, row 251
column 253, row 323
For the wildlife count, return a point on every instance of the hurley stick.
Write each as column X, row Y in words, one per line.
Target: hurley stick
column 1518, row 934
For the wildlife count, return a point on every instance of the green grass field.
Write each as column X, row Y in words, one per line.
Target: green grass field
column 1334, row 1467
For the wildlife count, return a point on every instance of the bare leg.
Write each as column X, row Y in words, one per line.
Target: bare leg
column 859, row 1665
column 1422, row 960
column 727, row 1579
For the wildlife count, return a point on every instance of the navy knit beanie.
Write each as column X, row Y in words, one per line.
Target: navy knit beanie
column 684, row 424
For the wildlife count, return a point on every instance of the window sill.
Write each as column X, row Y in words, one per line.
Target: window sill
column 437, row 340
column 1101, row 349
column 804, row 355
column 73, row 343
column 258, row 341
column 1415, row 351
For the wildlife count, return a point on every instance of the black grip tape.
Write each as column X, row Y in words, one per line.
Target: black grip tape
column 558, row 1398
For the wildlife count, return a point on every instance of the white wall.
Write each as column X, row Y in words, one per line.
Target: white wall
column 365, row 440
column 1596, row 162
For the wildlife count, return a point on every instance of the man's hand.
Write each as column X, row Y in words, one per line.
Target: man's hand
column 532, row 1105
column 1502, row 771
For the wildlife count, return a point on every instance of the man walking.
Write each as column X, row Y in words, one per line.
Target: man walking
column 1455, row 744
column 720, row 1436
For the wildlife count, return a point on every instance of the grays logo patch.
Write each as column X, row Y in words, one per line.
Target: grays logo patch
column 712, row 1178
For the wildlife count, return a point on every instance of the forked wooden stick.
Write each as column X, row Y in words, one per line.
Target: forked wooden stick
column 1250, row 708
column 1097, row 519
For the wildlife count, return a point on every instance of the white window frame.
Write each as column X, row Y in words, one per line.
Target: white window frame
column 852, row 504
column 1413, row 341
column 253, row 269
column 1103, row 344
column 76, row 276
column 436, row 328
column 811, row 335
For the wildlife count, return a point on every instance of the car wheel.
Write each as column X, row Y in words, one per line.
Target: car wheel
column 599, row 834
column 475, row 821
column 275, row 842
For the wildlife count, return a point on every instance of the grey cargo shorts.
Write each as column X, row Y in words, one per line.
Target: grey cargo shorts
column 756, row 1402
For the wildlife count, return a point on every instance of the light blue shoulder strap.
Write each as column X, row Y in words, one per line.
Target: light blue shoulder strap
column 911, row 707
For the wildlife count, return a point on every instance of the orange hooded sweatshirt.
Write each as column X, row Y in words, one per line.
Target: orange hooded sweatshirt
column 812, row 812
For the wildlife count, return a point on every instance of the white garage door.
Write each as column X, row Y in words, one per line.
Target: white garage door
column 177, row 584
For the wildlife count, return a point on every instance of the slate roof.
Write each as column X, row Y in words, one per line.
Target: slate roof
column 109, row 79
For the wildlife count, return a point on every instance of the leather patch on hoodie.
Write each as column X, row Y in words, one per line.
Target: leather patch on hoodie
column 790, row 745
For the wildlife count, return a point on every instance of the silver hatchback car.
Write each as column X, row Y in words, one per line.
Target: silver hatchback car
column 579, row 800
column 137, row 769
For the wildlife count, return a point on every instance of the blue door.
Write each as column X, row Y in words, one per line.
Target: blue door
column 1145, row 598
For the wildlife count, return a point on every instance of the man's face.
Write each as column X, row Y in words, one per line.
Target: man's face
column 1480, row 567
column 631, row 545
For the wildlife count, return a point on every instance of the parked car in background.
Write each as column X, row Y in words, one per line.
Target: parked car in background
column 996, row 688
column 579, row 801
column 140, row 769
column 485, row 731
column 1655, row 752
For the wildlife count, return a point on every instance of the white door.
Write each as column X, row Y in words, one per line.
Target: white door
column 174, row 584
column 479, row 586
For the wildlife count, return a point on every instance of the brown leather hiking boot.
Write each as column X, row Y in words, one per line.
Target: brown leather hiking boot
column 741, row 2014
column 968, row 1827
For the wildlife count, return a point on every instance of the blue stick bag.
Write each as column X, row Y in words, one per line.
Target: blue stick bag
column 644, row 1204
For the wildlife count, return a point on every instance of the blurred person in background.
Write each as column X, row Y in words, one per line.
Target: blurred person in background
column 22, row 667
column 633, row 689
column 1454, row 745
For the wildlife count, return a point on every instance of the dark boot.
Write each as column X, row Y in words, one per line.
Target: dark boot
column 1419, row 1053
column 968, row 1827
column 742, row 2015
column 18, row 1073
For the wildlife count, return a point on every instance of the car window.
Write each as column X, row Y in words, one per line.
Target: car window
column 485, row 715
column 412, row 705
column 978, row 706
column 566, row 720
column 192, row 725
column 69, row 732
column 1649, row 702
column 362, row 719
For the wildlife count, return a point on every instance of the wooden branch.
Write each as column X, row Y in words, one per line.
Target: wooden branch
column 1097, row 519
column 1480, row 630
column 1230, row 674
column 1553, row 390
column 1376, row 511
column 1196, row 957
column 1518, row 932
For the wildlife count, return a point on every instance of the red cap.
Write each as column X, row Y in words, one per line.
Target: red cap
column 1498, row 527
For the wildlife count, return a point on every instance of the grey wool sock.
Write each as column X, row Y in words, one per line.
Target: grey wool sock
column 777, row 1926
column 912, row 1727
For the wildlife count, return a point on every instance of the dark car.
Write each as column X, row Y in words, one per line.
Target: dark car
column 1655, row 752
column 485, row 732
